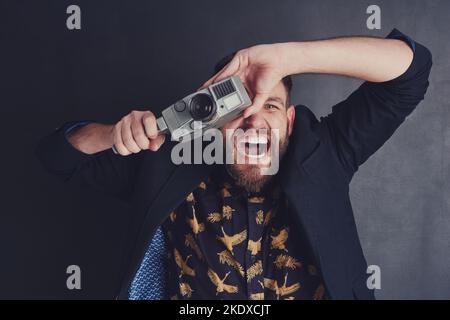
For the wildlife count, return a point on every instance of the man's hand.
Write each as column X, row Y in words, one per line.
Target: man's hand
column 260, row 69
column 135, row 132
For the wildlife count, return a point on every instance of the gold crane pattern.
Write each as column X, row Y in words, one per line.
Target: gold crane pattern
column 227, row 212
column 225, row 257
column 254, row 270
column 190, row 243
column 190, row 198
column 182, row 264
column 282, row 291
column 214, row 217
column 259, row 217
column 243, row 251
column 233, row 240
column 268, row 217
column 225, row 193
column 257, row 296
column 220, row 283
column 279, row 240
column 185, row 289
column 254, row 246
column 194, row 224
column 285, row 261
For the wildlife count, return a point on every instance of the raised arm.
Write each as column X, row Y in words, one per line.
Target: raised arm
column 396, row 71
column 262, row 67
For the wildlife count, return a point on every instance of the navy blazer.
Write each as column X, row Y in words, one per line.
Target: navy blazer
column 315, row 174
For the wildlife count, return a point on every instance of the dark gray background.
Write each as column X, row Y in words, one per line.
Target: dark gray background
column 146, row 54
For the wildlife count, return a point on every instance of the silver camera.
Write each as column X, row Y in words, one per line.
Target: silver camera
column 211, row 107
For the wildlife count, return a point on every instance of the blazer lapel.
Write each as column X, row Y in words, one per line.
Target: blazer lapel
column 183, row 180
column 308, row 202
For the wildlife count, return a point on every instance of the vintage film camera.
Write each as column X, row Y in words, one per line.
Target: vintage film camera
column 211, row 107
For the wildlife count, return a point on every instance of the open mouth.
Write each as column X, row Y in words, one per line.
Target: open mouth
column 253, row 146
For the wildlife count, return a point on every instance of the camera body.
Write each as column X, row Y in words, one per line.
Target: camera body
column 211, row 107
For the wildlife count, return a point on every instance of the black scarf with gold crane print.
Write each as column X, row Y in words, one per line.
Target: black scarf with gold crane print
column 228, row 244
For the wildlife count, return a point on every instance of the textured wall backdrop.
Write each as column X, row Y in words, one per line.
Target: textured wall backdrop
column 146, row 54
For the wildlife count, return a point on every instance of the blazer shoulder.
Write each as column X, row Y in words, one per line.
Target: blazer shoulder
column 306, row 122
column 306, row 133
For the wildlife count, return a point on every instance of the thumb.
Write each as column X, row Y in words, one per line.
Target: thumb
column 230, row 69
column 257, row 105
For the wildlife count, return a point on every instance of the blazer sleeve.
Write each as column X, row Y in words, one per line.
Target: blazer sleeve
column 361, row 124
column 104, row 171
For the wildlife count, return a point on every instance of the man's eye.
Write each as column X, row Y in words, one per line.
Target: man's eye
column 271, row 107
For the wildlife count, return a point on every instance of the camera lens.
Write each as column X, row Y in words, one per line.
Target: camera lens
column 202, row 107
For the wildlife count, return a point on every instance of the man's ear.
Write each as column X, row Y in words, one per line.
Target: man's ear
column 291, row 118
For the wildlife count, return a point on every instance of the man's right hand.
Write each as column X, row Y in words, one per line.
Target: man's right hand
column 135, row 132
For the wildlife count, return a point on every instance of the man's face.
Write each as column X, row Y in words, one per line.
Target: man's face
column 254, row 149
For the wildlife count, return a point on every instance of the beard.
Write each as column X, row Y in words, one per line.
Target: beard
column 249, row 176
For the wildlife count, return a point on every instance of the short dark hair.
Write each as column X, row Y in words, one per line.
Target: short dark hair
column 287, row 81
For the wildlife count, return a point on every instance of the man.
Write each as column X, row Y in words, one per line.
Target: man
column 233, row 232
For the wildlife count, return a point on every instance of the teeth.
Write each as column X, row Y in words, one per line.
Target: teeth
column 256, row 150
column 253, row 145
column 256, row 156
column 256, row 140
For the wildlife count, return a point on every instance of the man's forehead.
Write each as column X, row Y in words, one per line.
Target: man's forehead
column 275, row 99
column 278, row 94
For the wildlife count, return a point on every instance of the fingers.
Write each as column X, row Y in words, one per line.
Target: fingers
column 230, row 69
column 156, row 143
column 135, row 132
column 258, row 103
column 127, row 137
column 138, row 133
column 118, row 142
column 209, row 82
column 213, row 78
column 150, row 126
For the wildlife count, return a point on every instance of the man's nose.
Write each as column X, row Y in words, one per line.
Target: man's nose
column 256, row 120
